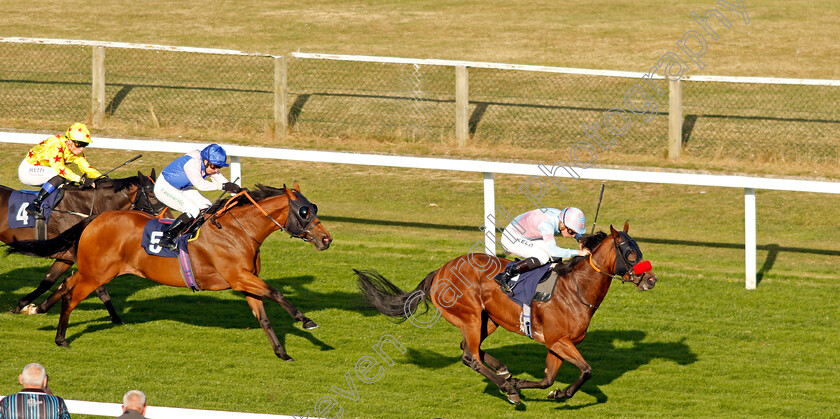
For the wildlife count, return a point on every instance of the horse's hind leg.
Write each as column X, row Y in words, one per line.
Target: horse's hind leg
column 57, row 269
column 77, row 289
column 472, row 358
column 258, row 309
column 488, row 327
column 103, row 295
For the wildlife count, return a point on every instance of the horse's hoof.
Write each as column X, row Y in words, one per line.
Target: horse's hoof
column 513, row 398
column 557, row 394
column 30, row 309
column 285, row 357
column 503, row 373
column 62, row 343
column 309, row 324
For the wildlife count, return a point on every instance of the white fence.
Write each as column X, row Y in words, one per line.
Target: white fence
column 488, row 169
column 427, row 98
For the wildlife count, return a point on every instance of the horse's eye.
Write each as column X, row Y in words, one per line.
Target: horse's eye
column 631, row 256
column 304, row 212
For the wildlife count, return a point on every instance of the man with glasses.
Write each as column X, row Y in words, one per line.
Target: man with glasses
column 531, row 237
column 179, row 184
column 45, row 164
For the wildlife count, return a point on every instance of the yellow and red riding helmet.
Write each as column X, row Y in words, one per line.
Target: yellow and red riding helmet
column 78, row 132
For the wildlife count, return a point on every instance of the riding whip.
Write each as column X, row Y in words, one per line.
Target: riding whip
column 127, row 162
column 597, row 209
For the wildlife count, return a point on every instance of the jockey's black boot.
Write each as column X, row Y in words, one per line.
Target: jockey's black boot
column 35, row 207
column 506, row 279
column 169, row 235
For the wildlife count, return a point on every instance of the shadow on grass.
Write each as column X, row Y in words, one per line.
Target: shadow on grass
column 26, row 280
column 611, row 353
column 204, row 309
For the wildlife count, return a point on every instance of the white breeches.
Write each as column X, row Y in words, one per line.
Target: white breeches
column 188, row 201
column 32, row 175
column 516, row 244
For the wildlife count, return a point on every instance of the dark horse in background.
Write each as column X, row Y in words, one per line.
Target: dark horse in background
column 464, row 292
column 226, row 254
column 135, row 192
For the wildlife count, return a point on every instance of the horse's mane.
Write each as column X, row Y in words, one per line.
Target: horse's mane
column 590, row 241
column 124, row 183
column 260, row 193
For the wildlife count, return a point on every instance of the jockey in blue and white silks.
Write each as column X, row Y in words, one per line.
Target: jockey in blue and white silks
column 179, row 184
column 531, row 237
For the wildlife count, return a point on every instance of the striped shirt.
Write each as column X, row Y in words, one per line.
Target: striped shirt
column 33, row 404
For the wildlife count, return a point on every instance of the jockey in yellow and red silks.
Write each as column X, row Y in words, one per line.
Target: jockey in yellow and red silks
column 46, row 164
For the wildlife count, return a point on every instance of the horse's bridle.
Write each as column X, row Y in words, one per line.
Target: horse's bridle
column 143, row 191
column 623, row 265
column 301, row 212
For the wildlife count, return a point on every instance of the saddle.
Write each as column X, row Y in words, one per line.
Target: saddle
column 545, row 287
column 20, row 218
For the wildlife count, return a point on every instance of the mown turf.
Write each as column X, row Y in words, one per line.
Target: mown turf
column 698, row 345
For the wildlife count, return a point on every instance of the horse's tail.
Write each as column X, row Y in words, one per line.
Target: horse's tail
column 389, row 299
column 67, row 240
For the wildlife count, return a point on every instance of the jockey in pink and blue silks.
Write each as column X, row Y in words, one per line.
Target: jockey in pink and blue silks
column 531, row 237
column 179, row 184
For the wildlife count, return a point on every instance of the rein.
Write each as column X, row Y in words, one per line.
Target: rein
column 245, row 193
column 141, row 190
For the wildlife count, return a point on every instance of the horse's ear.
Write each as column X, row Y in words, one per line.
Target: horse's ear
column 626, row 225
column 153, row 175
column 613, row 231
column 297, row 186
column 289, row 193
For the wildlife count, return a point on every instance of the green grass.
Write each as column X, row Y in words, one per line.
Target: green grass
column 698, row 345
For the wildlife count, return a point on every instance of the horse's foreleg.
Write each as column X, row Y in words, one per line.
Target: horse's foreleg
column 57, row 269
column 278, row 298
column 103, row 295
column 258, row 309
column 552, row 365
column 565, row 349
column 52, row 299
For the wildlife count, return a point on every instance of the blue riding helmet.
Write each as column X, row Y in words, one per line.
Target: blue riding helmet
column 215, row 154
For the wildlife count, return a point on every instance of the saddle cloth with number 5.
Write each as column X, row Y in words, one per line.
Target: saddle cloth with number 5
column 152, row 233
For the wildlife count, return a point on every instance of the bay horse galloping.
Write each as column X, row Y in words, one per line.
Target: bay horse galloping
column 226, row 254
column 135, row 192
column 464, row 292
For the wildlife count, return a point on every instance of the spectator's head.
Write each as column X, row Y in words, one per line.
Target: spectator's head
column 135, row 400
column 34, row 375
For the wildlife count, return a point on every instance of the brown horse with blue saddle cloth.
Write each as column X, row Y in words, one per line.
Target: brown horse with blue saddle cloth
column 66, row 207
column 226, row 254
column 465, row 293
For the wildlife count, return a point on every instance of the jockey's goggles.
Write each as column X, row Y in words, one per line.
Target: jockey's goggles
column 80, row 144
